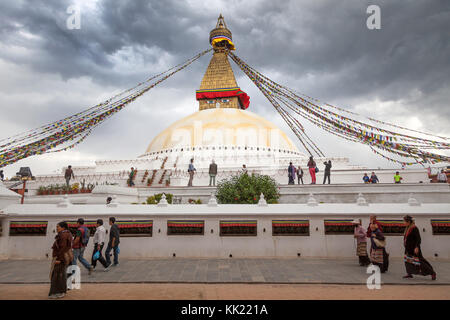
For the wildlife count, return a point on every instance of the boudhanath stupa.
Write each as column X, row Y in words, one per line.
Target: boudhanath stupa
column 223, row 130
column 310, row 220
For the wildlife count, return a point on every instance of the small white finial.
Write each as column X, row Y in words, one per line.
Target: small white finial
column 113, row 202
column 312, row 201
column 65, row 202
column 212, row 201
column 262, row 201
column 361, row 201
column 413, row 201
column 163, row 202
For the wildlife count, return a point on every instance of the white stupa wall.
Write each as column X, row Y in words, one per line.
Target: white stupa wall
column 211, row 244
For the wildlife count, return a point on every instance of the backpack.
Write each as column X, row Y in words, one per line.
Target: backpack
column 85, row 236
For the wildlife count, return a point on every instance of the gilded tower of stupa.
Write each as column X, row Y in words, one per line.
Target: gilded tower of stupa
column 219, row 88
column 223, row 128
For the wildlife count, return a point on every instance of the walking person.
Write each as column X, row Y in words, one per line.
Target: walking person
column 291, row 173
column 113, row 244
column 61, row 259
column 327, row 171
column 299, row 174
column 212, row 173
column 69, row 175
column 79, row 245
column 415, row 263
column 244, row 169
column 2, row 176
column 312, row 169
column 191, row 170
column 378, row 254
column 374, row 178
column 361, row 243
column 99, row 242
column 397, row 177
column 373, row 219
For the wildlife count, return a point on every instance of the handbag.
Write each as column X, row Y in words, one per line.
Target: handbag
column 379, row 243
column 412, row 259
column 96, row 255
column 316, row 170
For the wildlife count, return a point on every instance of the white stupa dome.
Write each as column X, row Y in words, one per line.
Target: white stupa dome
column 222, row 128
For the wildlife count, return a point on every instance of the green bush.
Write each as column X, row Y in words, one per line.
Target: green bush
column 246, row 188
column 157, row 197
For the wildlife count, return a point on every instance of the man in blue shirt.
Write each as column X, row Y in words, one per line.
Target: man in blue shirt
column 366, row 178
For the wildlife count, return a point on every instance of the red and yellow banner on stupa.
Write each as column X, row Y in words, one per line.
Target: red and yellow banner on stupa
column 224, row 93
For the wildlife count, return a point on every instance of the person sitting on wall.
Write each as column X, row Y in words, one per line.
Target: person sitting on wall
column 366, row 178
column 374, row 178
column 397, row 177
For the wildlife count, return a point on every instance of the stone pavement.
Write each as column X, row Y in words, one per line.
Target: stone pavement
column 253, row 271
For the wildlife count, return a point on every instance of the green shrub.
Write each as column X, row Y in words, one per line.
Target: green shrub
column 244, row 188
column 157, row 197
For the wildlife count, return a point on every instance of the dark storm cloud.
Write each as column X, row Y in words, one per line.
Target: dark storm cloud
column 293, row 37
column 321, row 48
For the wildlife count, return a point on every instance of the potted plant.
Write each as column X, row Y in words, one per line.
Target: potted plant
column 57, row 189
column 51, row 189
column 75, row 187
column 40, row 190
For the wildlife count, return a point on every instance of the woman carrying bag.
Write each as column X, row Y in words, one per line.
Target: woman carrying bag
column 378, row 254
column 361, row 243
column 312, row 169
column 415, row 263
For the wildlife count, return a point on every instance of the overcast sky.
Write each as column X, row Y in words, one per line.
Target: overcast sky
column 400, row 73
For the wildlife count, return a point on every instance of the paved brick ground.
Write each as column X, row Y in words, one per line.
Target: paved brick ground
column 194, row 291
column 268, row 271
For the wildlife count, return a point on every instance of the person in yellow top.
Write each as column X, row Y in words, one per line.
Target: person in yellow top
column 397, row 178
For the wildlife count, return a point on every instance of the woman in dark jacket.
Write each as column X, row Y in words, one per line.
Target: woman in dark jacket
column 415, row 263
column 378, row 254
column 62, row 257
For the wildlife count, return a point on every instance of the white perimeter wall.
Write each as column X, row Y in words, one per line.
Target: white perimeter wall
column 317, row 244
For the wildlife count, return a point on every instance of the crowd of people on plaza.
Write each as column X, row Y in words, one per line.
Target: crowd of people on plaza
column 68, row 249
column 414, row 261
column 293, row 173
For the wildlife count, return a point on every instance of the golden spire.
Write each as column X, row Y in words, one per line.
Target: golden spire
column 219, row 87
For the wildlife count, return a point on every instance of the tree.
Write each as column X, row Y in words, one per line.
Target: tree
column 244, row 188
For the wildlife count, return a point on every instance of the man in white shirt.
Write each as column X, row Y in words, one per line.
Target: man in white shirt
column 99, row 242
